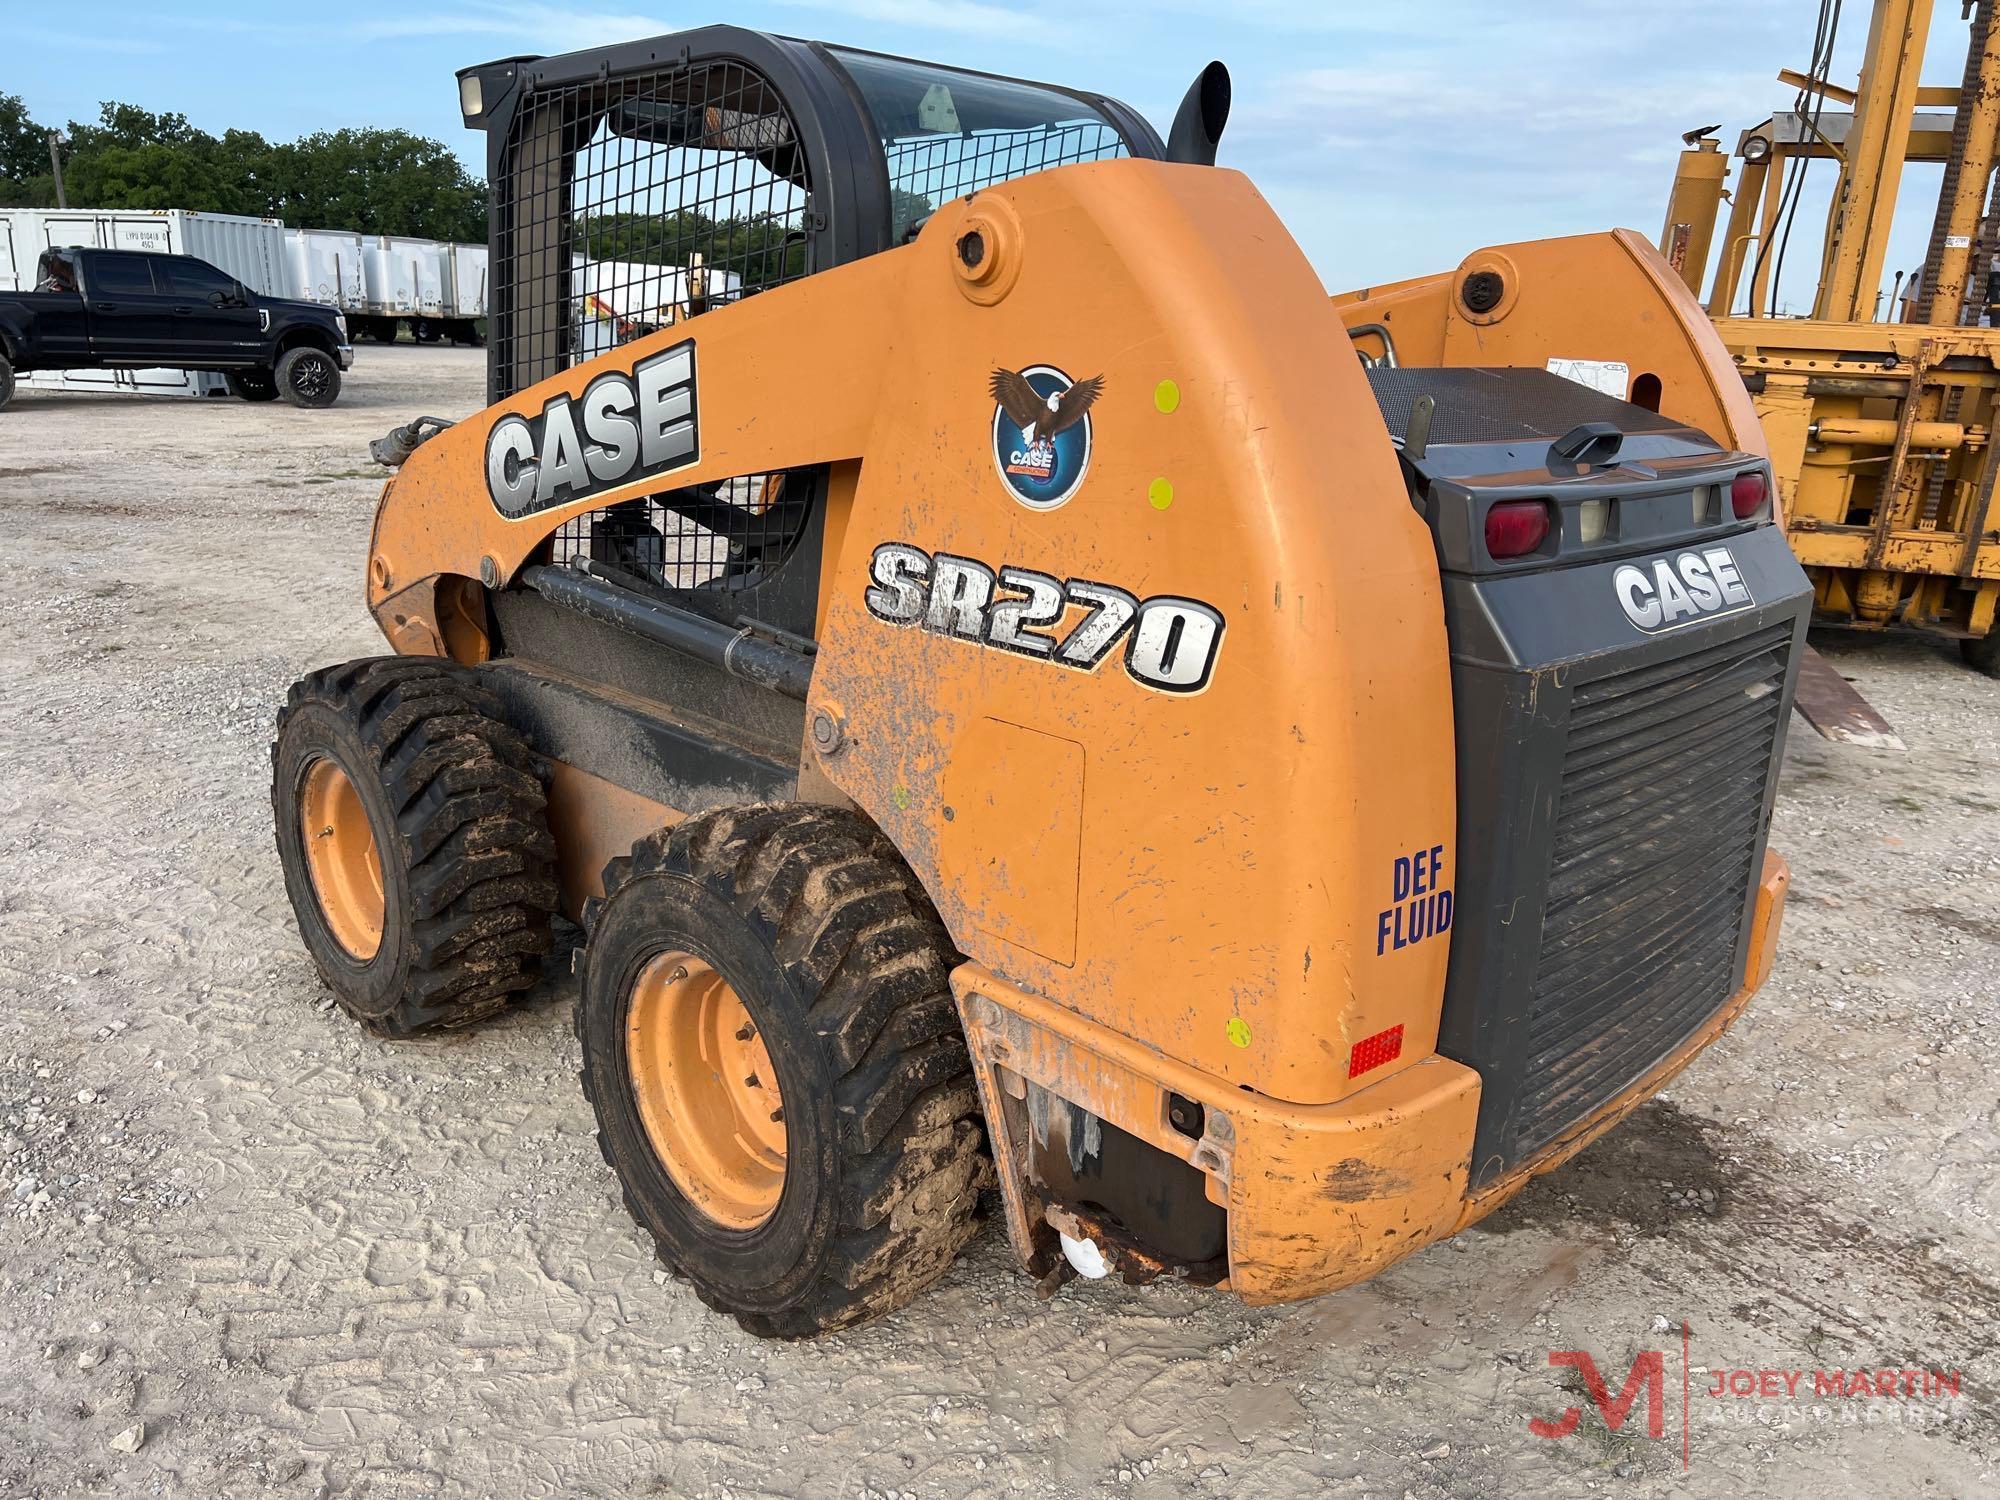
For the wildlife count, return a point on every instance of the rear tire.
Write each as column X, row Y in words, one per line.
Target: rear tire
column 6, row 382
column 402, row 763
column 252, row 385
column 309, row 377
column 1982, row 653
column 830, row 945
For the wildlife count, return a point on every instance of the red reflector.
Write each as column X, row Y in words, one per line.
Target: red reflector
column 1373, row 1051
column 1515, row 528
column 1746, row 495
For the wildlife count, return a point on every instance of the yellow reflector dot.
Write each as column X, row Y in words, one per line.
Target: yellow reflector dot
column 1161, row 493
column 1166, row 395
column 1238, row 1031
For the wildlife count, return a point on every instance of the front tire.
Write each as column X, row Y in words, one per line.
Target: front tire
column 413, row 834
column 309, row 377
column 6, row 382
column 251, row 385
column 791, row 946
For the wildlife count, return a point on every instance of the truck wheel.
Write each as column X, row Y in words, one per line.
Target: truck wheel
column 780, row 1082
column 6, row 381
column 424, row 331
column 414, row 838
column 251, row 385
column 1982, row 653
column 309, row 377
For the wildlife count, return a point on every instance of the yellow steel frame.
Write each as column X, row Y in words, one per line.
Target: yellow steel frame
column 1881, row 433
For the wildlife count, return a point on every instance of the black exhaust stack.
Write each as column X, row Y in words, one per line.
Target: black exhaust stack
column 1198, row 122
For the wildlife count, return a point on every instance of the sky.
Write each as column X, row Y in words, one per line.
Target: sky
column 1393, row 138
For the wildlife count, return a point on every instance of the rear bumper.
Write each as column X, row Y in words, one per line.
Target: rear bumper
column 1318, row 1196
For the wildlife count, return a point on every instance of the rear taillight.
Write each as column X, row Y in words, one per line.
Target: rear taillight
column 1373, row 1051
column 1514, row 528
column 1746, row 494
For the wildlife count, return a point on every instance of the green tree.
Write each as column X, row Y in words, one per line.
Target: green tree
column 129, row 126
column 376, row 181
column 24, row 154
column 153, row 176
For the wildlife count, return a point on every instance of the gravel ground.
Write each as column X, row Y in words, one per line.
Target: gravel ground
column 246, row 1249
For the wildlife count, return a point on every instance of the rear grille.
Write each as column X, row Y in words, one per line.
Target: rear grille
column 1659, row 815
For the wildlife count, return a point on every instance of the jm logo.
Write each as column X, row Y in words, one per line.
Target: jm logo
column 1648, row 1373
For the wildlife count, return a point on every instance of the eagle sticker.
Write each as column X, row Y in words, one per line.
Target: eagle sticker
column 1041, row 432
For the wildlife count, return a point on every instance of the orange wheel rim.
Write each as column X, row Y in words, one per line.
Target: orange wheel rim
column 706, row 1091
column 342, row 856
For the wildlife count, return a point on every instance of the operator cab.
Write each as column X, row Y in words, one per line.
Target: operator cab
column 637, row 185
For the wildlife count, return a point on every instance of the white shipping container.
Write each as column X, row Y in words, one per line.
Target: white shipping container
column 325, row 267
column 467, row 297
column 405, row 276
column 251, row 250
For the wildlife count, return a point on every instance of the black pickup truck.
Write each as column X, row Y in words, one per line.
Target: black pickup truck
column 130, row 309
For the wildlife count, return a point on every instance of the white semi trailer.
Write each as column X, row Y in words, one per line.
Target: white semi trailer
column 326, row 268
column 437, row 288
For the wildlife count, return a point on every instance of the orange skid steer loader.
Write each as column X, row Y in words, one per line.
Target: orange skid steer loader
column 1011, row 698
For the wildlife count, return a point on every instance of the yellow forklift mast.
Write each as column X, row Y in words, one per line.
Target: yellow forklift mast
column 1880, row 402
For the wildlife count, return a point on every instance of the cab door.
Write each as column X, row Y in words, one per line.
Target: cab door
column 215, row 322
column 131, row 320
column 61, row 323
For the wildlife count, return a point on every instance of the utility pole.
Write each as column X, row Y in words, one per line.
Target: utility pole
column 55, row 161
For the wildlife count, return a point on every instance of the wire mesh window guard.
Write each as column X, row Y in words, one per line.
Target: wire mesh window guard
column 946, row 134
column 704, row 546
column 632, row 204
column 927, row 170
column 629, row 205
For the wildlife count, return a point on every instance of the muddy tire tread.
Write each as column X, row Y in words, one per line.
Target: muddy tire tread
column 850, row 922
column 473, row 817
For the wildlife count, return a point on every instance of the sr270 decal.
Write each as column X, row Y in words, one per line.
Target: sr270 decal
column 1170, row 642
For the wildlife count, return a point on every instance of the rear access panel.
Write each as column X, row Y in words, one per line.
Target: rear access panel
column 1618, row 735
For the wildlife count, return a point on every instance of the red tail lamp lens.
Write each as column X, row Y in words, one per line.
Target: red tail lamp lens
column 1373, row 1051
column 1515, row 528
column 1746, row 494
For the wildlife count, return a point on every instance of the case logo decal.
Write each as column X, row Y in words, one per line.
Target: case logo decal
column 1170, row 643
column 1041, row 432
column 1670, row 592
column 622, row 428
